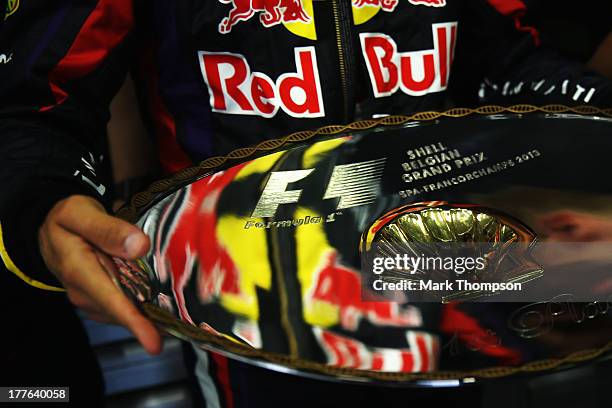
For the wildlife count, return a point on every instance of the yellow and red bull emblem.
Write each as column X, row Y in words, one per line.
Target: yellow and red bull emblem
column 273, row 12
column 297, row 15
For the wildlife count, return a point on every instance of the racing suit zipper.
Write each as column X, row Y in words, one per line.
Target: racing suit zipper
column 342, row 10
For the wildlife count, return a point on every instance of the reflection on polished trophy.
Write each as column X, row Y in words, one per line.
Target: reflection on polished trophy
column 313, row 254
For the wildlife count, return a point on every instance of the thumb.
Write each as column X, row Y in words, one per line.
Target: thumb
column 85, row 217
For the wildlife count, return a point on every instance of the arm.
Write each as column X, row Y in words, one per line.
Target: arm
column 67, row 59
column 502, row 62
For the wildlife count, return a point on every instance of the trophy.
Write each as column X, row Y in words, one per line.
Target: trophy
column 407, row 249
column 449, row 232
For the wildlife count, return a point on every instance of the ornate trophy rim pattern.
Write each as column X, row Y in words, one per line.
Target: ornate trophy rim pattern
column 142, row 200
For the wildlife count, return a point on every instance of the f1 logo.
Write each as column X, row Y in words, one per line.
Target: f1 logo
column 354, row 184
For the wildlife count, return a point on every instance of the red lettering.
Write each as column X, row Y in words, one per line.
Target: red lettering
column 224, row 73
column 234, row 89
column 452, row 46
column 383, row 84
column 414, row 72
column 262, row 89
column 299, row 92
column 407, row 362
column 418, row 354
column 378, row 361
column 345, row 351
column 410, row 85
column 442, row 55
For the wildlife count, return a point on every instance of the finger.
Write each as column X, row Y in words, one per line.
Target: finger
column 85, row 217
column 82, row 301
column 120, row 310
column 83, row 271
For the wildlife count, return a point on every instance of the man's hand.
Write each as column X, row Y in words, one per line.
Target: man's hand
column 73, row 240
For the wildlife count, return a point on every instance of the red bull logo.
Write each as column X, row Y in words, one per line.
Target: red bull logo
column 288, row 12
column 415, row 73
column 271, row 12
column 235, row 89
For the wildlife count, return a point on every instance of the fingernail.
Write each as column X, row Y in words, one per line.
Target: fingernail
column 132, row 245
